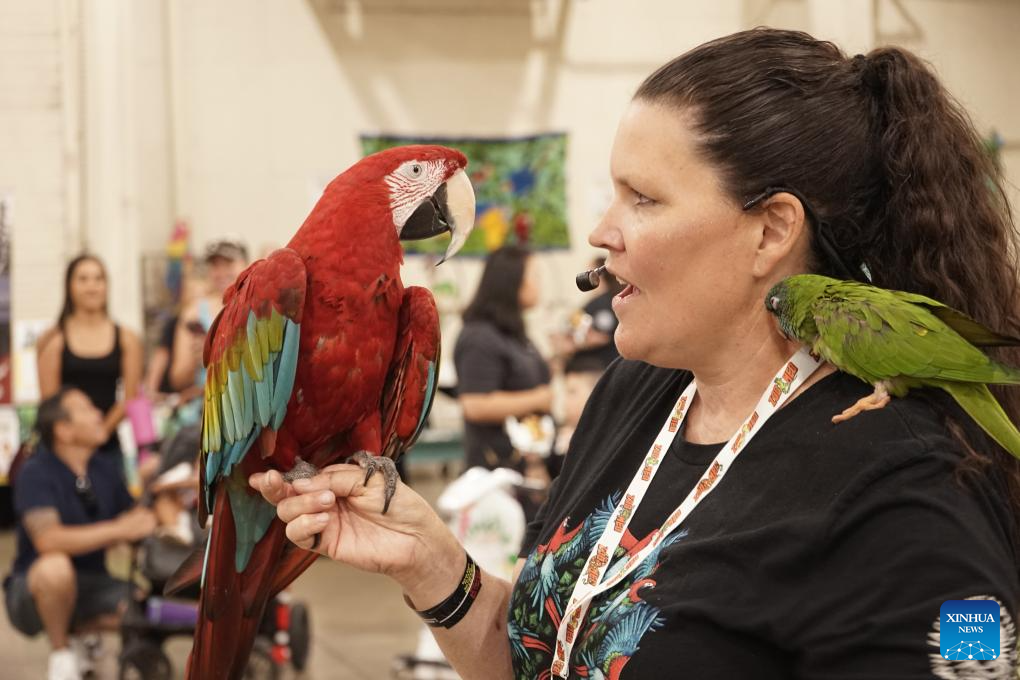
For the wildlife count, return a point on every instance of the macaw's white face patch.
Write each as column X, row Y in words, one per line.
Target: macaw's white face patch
column 1004, row 666
column 410, row 185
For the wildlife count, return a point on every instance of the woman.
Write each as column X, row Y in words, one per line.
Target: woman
column 827, row 550
column 499, row 371
column 88, row 350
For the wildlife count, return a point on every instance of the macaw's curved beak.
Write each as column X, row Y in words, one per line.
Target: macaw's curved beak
column 451, row 208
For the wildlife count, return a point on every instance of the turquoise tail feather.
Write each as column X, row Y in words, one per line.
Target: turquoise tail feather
column 252, row 517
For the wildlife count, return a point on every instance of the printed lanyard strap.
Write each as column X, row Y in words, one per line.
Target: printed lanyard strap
column 590, row 581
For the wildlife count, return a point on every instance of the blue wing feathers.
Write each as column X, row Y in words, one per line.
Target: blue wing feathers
column 286, row 371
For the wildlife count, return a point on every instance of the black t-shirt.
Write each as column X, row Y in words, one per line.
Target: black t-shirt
column 826, row 552
column 487, row 360
column 46, row 482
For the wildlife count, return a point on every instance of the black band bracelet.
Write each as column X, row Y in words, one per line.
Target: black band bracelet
column 450, row 611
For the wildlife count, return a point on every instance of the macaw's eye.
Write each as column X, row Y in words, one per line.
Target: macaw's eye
column 413, row 170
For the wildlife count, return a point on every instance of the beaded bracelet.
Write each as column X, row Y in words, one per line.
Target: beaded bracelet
column 450, row 611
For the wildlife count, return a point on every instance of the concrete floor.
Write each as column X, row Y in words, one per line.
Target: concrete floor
column 359, row 622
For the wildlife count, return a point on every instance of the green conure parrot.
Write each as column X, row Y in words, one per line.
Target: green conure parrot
column 319, row 356
column 896, row 341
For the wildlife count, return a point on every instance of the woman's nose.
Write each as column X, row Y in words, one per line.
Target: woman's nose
column 605, row 234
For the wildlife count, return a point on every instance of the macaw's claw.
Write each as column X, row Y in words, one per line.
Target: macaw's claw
column 301, row 470
column 876, row 400
column 373, row 464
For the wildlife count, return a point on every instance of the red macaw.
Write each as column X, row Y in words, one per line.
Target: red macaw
column 320, row 355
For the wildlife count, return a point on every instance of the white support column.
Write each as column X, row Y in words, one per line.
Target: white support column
column 110, row 225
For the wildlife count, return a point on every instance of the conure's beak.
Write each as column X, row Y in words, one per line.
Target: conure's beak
column 451, row 208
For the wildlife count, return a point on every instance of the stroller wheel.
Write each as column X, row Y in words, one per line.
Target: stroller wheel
column 143, row 660
column 300, row 636
column 260, row 664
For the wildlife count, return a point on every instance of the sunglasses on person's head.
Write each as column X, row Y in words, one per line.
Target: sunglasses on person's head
column 87, row 496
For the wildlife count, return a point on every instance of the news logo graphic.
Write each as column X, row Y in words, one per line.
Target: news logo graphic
column 969, row 629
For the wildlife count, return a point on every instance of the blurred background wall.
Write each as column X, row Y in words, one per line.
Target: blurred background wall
column 118, row 117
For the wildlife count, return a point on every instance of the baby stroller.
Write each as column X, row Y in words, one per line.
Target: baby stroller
column 150, row 619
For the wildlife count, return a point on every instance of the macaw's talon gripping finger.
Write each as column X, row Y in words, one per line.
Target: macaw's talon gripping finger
column 372, row 464
column 301, row 470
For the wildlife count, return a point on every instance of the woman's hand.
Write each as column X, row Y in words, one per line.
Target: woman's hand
column 409, row 543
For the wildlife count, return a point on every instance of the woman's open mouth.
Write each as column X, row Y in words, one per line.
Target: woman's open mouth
column 629, row 291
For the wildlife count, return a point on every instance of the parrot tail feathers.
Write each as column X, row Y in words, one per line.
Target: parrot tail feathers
column 187, row 575
column 981, row 405
column 233, row 601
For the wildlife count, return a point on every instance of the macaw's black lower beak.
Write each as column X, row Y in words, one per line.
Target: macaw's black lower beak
column 451, row 208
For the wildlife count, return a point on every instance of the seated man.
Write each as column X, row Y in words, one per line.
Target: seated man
column 71, row 506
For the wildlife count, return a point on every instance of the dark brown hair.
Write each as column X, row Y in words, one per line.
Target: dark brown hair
column 497, row 299
column 884, row 155
column 51, row 411
column 68, row 307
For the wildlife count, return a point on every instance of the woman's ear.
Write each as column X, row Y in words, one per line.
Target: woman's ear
column 781, row 228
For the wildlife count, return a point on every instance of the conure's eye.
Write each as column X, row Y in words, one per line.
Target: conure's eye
column 774, row 302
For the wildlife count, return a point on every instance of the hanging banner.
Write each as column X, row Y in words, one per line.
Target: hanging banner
column 520, row 188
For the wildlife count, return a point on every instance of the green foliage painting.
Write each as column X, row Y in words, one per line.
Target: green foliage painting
column 519, row 185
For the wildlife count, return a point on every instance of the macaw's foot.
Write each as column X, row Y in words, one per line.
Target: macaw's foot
column 372, row 464
column 876, row 400
column 301, row 470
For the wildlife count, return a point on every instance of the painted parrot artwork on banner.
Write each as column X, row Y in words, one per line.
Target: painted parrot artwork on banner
column 520, row 185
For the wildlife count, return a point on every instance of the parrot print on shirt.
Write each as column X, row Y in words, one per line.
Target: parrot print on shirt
column 618, row 619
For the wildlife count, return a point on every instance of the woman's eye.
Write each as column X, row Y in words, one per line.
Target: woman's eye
column 641, row 199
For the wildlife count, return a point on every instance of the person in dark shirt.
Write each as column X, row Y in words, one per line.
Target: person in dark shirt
column 71, row 506
column 88, row 350
column 157, row 375
column 711, row 518
column 500, row 373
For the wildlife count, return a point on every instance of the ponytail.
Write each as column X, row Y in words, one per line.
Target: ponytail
column 945, row 229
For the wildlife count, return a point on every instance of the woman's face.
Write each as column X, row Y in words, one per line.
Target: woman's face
column 530, row 290
column 681, row 243
column 88, row 287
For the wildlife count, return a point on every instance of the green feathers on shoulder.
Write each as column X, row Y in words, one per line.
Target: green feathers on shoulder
column 896, row 341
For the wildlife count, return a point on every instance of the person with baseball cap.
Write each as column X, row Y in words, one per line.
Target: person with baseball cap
column 225, row 259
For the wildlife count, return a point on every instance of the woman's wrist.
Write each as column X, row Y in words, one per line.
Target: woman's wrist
column 435, row 573
column 449, row 612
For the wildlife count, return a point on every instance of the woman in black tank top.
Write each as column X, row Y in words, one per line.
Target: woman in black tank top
column 88, row 350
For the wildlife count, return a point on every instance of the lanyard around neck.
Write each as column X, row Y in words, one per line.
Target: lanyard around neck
column 590, row 581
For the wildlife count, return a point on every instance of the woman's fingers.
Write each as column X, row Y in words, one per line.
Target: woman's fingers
column 305, row 530
column 271, row 485
column 311, row 503
column 344, row 480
